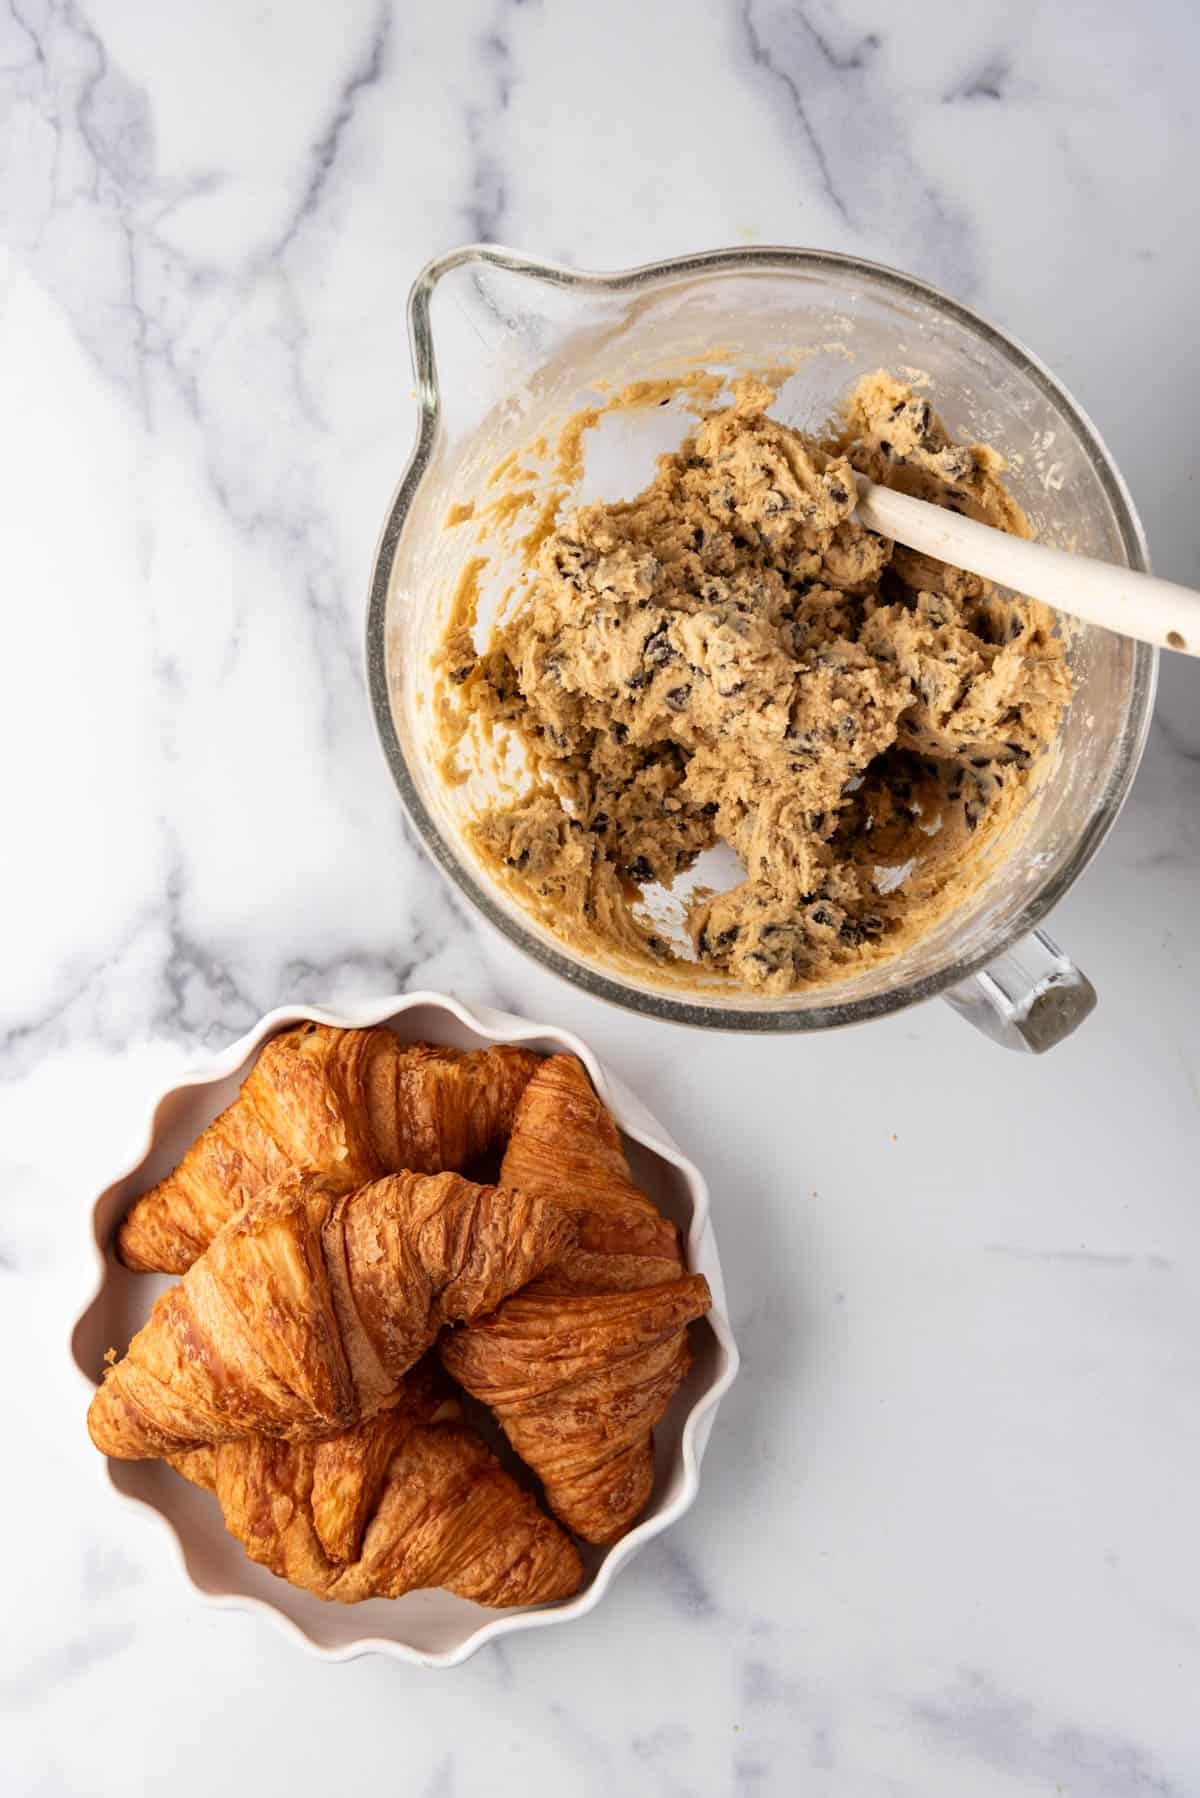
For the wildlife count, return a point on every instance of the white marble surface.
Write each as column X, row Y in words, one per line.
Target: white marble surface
column 947, row 1538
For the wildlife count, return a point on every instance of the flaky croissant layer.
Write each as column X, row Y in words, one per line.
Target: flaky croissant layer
column 354, row 1104
column 565, row 1146
column 581, row 1366
column 411, row 1498
column 578, row 1385
column 307, row 1309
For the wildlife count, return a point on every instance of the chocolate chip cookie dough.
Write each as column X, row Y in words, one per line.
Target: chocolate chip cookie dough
column 728, row 656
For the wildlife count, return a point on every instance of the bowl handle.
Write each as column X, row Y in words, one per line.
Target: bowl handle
column 1029, row 999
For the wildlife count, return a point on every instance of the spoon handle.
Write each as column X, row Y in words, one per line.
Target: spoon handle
column 1118, row 599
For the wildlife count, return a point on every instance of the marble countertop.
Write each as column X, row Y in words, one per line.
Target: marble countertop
column 946, row 1538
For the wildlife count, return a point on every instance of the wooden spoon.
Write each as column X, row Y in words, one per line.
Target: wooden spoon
column 1117, row 599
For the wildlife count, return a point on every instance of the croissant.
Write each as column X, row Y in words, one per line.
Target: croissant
column 355, row 1103
column 307, row 1308
column 583, row 1364
column 565, row 1146
column 578, row 1385
column 410, row 1498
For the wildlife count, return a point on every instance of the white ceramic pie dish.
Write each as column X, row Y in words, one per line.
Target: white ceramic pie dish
column 432, row 1628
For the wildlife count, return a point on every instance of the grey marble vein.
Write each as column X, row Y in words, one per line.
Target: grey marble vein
column 72, row 1659
column 366, row 73
column 683, row 1585
column 664, row 1739
column 990, row 80
column 836, row 86
column 483, row 116
column 789, row 71
column 582, row 1737
column 26, row 1039
column 441, row 1782
column 200, row 993
column 1014, row 1736
column 107, row 1569
column 1078, row 1257
column 1177, row 739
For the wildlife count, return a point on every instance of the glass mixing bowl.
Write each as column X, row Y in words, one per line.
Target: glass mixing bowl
column 505, row 347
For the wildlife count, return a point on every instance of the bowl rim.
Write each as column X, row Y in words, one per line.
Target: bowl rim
column 762, row 258
column 634, row 1120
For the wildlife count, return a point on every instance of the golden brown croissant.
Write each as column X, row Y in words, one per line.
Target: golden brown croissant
column 578, row 1384
column 565, row 1146
column 581, row 1366
column 411, row 1498
column 307, row 1308
column 353, row 1103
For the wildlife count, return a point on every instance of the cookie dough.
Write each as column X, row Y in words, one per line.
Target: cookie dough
column 728, row 656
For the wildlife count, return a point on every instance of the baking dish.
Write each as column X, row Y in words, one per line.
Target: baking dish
column 430, row 1628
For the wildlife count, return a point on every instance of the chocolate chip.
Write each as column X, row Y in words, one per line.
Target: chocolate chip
column 710, row 810
column 640, row 871
column 838, row 495
column 621, row 732
column 677, row 698
column 657, row 649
